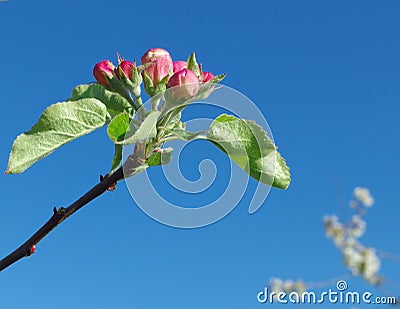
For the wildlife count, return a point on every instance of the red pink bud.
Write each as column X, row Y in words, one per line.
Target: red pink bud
column 127, row 68
column 186, row 83
column 179, row 65
column 207, row 76
column 104, row 72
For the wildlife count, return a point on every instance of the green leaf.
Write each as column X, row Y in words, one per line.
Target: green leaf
column 209, row 87
column 115, row 103
column 59, row 124
column 117, row 158
column 217, row 79
column 246, row 143
column 161, row 157
column 146, row 130
column 282, row 173
column 118, row 127
column 148, row 84
column 174, row 121
column 173, row 107
column 183, row 134
column 193, row 66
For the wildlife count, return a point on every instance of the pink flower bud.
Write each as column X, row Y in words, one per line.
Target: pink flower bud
column 186, row 84
column 179, row 65
column 104, row 72
column 160, row 65
column 125, row 67
column 207, row 76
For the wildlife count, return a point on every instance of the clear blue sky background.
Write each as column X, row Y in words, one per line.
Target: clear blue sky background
column 326, row 76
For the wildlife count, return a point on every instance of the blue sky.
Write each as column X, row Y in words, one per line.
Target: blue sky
column 325, row 75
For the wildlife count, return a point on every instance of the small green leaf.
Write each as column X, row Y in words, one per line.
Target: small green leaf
column 117, row 158
column 59, row 124
column 146, row 130
column 217, row 79
column 246, row 143
column 118, row 127
column 209, row 87
column 161, row 157
column 148, row 84
column 193, row 66
column 115, row 103
column 174, row 121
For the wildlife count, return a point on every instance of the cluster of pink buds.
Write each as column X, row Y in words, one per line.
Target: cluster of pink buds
column 158, row 72
column 161, row 73
column 125, row 76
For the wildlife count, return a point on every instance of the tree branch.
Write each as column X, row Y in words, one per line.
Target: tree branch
column 59, row 215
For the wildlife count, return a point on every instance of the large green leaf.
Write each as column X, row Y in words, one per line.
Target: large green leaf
column 115, row 103
column 146, row 130
column 59, row 124
column 249, row 146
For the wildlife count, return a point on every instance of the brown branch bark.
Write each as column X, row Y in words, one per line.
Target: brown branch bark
column 59, row 215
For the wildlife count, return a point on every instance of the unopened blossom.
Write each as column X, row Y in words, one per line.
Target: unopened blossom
column 185, row 85
column 179, row 65
column 207, row 76
column 104, row 73
column 158, row 65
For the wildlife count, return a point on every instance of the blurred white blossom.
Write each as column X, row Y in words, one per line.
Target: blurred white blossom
column 288, row 285
column 364, row 196
column 360, row 260
column 278, row 285
column 357, row 226
column 363, row 262
column 372, row 265
column 353, row 260
column 334, row 230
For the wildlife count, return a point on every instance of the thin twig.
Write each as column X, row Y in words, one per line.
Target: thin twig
column 327, row 283
column 59, row 215
column 389, row 256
